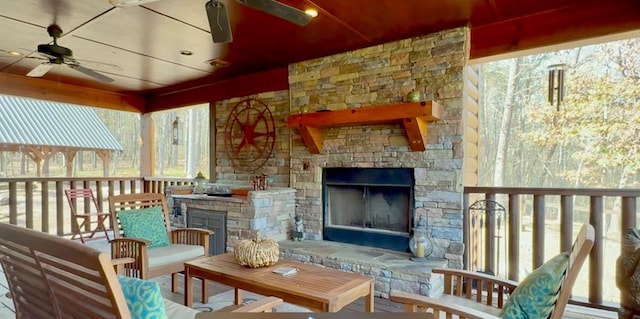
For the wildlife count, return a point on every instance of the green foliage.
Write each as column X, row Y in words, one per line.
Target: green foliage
column 591, row 139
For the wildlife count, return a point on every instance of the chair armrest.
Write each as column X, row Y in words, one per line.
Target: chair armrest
column 461, row 283
column 412, row 301
column 262, row 305
column 128, row 248
column 92, row 214
column 131, row 248
column 190, row 236
column 118, row 264
column 476, row 275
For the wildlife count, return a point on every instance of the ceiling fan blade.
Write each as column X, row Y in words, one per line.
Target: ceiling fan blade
column 40, row 70
column 91, row 73
column 99, row 65
column 19, row 55
column 279, row 10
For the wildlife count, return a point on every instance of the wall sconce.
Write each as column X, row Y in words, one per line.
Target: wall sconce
column 556, row 84
column 174, row 131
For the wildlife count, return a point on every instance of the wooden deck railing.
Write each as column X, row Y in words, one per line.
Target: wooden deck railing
column 533, row 218
column 40, row 203
column 494, row 242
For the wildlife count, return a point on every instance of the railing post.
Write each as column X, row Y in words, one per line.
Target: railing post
column 59, row 209
column 99, row 196
column 490, row 237
column 44, row 204
column 566, row 222
column 111, row 187
column 513, row 214
column 145, row 185
column 28, row 205
column 596, row 255
column 538, row 230
column 13, row 203
column 87, row 205
column 466, row 229
column 627, row 215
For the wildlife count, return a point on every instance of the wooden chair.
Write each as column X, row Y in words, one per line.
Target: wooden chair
column 461, row 300
column 92, row 213
column 54, row 278
column 186, row 243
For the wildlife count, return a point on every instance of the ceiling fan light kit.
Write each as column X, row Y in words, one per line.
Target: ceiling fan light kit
column 129, row 3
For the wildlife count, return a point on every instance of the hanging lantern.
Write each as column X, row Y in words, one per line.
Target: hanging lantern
column 419, row 244
column 174, row 131
column 199, row 184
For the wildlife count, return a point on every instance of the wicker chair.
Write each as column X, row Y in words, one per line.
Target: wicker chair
column 186, row 243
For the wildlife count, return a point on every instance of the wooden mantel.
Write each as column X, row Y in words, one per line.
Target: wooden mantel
column 414, row 117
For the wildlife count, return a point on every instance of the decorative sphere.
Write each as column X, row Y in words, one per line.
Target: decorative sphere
column 414, row 96
column 257, row 253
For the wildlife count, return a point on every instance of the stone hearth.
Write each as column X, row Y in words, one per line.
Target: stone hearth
column 392, row 270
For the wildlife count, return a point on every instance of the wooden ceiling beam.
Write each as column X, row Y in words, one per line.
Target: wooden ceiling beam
column 17, row 85
column 537, row 33
column 266, row 81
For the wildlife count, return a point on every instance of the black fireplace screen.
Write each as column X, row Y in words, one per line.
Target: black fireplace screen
column 368, row 206
column 373, row 207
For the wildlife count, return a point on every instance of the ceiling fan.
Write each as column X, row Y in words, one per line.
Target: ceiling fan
column 219, row 21
column 58, row 55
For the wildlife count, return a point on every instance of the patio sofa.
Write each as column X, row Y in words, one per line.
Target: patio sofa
column 53, row 277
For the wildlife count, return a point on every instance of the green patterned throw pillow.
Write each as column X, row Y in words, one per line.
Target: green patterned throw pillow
column 146, row 223
column 143, row 298
column 536, row 295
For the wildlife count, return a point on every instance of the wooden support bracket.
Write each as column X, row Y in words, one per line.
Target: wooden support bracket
column 414, row 117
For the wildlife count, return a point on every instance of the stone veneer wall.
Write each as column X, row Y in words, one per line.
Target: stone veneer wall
column 278, row 164
column 382, row 74
column 262, row 214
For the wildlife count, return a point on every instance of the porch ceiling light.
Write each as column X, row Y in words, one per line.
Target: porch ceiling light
column 311, row 12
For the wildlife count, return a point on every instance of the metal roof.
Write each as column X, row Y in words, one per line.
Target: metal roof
column 43, row 123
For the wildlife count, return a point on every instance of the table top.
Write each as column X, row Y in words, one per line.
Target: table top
column 311, row 281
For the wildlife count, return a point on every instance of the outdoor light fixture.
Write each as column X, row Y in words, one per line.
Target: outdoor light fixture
column 174, row 131
column 419, row 244
column 199, row 184
column 556, row 84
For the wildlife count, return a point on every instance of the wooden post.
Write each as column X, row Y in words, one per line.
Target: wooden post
column 213, row 137
column 147, row 159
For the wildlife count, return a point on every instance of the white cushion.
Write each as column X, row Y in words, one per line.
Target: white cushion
column 178, row 311
column 159, row 256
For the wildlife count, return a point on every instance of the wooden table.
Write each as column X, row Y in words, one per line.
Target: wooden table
column 313, row 287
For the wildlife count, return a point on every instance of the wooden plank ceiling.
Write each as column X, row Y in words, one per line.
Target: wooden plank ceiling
column 140, row 46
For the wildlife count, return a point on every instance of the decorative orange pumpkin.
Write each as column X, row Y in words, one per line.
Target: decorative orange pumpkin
column 257, row 253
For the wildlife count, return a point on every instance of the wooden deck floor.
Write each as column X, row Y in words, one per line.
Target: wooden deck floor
column 381, row 305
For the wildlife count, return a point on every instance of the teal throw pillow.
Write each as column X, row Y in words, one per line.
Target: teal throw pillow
column 537, row 294
column 146, row 223
column 143, row 298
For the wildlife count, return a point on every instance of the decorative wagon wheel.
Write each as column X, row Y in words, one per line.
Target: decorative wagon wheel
column 250, row 134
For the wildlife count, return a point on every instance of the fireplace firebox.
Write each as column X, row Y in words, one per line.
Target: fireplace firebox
column 368, row 206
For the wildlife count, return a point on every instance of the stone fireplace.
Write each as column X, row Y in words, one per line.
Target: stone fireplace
column 335, row 209
column 368, row 206
column 434, row 64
